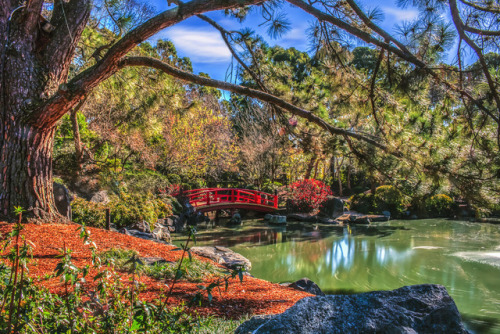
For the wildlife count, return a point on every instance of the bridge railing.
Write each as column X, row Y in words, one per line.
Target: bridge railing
column 210, row 196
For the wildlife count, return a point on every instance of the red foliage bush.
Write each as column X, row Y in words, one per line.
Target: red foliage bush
column 307, row 195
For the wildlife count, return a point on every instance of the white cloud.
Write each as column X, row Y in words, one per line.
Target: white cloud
column 201, row 46
column 401, row 14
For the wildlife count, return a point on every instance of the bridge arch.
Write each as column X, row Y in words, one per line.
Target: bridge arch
column 212, row 199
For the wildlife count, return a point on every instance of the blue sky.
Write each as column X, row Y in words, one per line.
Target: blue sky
column 197, row 40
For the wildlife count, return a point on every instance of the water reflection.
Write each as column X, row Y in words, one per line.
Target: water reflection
column 378, row 257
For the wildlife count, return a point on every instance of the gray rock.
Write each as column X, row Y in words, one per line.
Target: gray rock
column 224, row 256
column 161, row 233
column 361, row 220
column 140, row 234
column 100, row 197
column 268, row 216
column 332, row 207
column 305, row 284
column 302, row 217
column 143, row 235
column 235, row 219
column 142, row 226
column 169, row 221
column 123, row 230
column 63, row 199
column 423, row 308
column 276, row 219
column 326, row 220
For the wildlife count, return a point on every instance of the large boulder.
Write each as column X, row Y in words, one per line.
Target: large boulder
column 332, row 207
column 423, row 308
column 63, row 199
column 224, row 256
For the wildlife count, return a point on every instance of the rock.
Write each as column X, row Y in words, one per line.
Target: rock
column 305, row 284
column 275, row 219
column 161, row 233
column 303, row 217
column 63, row 199
column 235, row 219
column 378, row 218
column 268, row 216
column 332, row 207
column 326, row 220
column 346, row 218
column 123, row 230
column 142, row 226
column 100, row 197
column 224, row 256
column 361, row 220
column 169, row 222
column 142, row 235
column 426, row 308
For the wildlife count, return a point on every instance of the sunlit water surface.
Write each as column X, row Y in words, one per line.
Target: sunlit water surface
column 462, row 256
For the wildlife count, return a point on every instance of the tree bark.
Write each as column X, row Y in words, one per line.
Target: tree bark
column 26, row 170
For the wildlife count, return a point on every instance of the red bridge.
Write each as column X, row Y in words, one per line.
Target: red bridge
column 212, row 199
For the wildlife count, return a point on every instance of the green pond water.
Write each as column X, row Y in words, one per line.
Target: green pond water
column 462, row 256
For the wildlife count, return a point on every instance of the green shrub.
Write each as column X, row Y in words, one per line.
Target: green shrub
column 88, row 213
column 439, row 205
column 388, row 198
column 364, row 203
column 271, row 187
column 174, row 179
column 129, row 209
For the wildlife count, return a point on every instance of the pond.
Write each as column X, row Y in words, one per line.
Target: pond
column 462, row 256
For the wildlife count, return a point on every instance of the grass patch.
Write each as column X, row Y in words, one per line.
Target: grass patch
column 193, row 270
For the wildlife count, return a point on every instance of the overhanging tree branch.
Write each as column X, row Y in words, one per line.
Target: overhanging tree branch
column 460, row 28
column 70, row 94
column 363, row 35
column 263, row 96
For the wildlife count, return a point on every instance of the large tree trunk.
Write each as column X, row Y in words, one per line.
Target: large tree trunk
column 26, row 170
column 35, row 62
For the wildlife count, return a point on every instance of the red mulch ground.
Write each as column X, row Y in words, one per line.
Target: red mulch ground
column 253, row 296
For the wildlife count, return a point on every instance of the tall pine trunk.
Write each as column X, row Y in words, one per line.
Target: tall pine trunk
column 26, row 170
column 34, row 65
